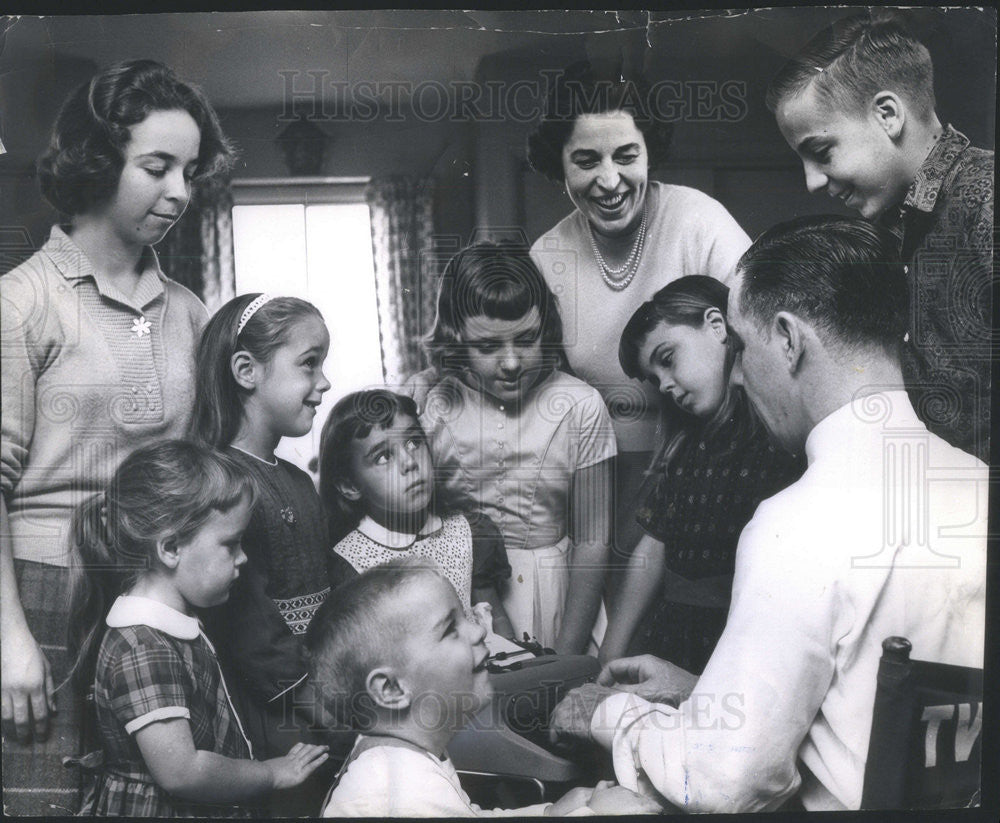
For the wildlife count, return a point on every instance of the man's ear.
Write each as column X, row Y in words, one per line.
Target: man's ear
column 385, row 690
column 167, row 552
column 716, row 322
column 890, row 113
column 245, row 369
column 347, row 489
column 790, row 335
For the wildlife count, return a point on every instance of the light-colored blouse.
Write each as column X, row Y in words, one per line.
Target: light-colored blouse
column 517, row 464
column 89, row 375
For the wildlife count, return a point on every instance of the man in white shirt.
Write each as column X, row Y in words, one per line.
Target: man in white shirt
column 885, row 534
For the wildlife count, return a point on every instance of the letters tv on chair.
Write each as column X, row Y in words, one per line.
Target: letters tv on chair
column 925, row 749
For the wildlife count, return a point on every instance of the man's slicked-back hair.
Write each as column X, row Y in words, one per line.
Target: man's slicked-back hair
column 842, row 274
column 856, row 57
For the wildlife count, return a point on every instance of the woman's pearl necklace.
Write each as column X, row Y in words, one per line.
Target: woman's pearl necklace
column 618, row 279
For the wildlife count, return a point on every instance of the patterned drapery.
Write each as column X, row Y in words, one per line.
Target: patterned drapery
column 198, row 251
column 405, row 270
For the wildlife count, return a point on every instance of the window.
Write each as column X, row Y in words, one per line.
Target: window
column 312, row 239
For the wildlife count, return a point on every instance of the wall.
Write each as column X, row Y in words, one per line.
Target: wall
column 478, row 166
column 440, row 151
column 743, row 161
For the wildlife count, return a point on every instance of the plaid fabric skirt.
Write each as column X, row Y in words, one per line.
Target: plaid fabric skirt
column 120, row 795
column 35, row 782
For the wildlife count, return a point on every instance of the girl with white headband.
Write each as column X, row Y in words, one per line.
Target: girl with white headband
column 260, row 378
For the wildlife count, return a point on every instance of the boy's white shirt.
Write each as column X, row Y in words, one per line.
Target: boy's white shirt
column 397, row 781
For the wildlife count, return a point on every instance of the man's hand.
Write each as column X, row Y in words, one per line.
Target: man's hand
column 609, row 798
column 569, row 802
column 28, row 695
column 649, row 677
column 571, row 718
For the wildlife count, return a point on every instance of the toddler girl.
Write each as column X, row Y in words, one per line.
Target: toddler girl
column 706, row 481
column 513, row 435
column 260, row 378
column 376, row 469
column 167, row 533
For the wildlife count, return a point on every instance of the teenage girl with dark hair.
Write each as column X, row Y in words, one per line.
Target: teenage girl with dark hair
column 97, row 352
column 514, row 436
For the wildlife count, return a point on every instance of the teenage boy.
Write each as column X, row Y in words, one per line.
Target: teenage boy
column 857, row 105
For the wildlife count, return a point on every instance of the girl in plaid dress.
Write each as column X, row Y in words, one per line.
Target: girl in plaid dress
column 166, row 535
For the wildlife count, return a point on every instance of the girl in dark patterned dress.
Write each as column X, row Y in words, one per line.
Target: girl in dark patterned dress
column 713, row 469
column 260, row 378
column 167, row 534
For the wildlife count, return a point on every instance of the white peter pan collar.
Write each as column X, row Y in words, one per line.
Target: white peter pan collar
column 397, row 540
column 132, row 610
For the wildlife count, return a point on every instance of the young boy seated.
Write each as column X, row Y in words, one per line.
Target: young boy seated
column 857, row 105
column 394, row 653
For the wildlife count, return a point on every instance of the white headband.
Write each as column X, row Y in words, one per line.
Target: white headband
column 250, row 311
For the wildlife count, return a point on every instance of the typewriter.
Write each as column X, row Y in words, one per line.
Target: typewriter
column 509, row 736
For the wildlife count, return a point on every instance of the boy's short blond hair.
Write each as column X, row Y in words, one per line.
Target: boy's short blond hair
column 356, row 631
column 851, row 60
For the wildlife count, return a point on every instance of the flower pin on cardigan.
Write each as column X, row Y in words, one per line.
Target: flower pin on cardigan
column 140, row 326
column 288, row 515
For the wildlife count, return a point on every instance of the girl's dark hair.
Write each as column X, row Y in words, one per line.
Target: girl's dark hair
column 578, row 90
column 81, row 167
column 160, row 493
column 684, row 302
column 218, row 405
column 500, row 281
column 352, row 418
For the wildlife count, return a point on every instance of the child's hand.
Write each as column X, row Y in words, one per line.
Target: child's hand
column 419, row 385
column 504, row 628
column 609, row 798
column 572, row 800
column 292, row 769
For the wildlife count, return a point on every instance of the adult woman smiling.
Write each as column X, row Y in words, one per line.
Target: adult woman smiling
column 628, row 237
column 97, row 361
